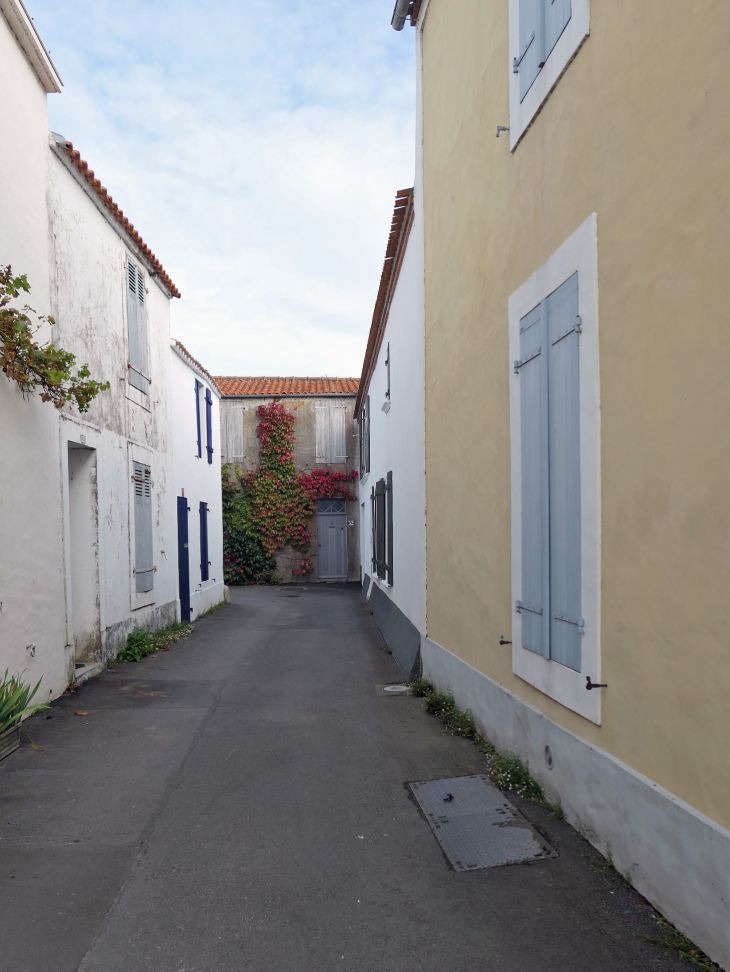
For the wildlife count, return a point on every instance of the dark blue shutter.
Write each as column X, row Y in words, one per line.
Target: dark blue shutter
column 204, row 563
column 389, row 527
column 209, row 424
column 198, row 386
column 566, row 623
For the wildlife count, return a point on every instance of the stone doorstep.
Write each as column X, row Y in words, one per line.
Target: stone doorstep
column 87, row 672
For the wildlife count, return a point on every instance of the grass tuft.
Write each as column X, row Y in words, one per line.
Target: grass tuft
column 671, row 941
column 142, row 641
column 212, row 609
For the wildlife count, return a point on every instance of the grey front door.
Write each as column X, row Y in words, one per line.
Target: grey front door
column 332, row 538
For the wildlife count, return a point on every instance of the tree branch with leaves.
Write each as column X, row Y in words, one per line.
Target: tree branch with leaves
column 34, row 366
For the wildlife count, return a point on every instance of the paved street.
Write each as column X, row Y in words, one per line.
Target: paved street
column 239, row 803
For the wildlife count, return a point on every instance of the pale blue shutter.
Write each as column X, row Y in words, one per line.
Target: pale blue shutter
column 322, row 429
column 143, row 556
column 532, row 369
column 557, row 15
column 338, row 419
column 565, row 535
column 528, row 62
column 137, row 326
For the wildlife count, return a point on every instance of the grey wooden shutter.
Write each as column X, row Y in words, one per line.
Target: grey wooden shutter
column 566, row 623
column 528, row 63
column 233, row 435
column 535, row 499
column 137, row 327
column 338, row 421
column 322, row 447
column 143, row 553
column 389, row 527
column 557, row 15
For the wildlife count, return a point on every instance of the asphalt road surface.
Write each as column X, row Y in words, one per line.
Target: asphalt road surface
column 239, row 804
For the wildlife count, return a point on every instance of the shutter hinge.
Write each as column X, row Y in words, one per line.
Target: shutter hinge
column 518, row 364
column 518, row 60
column 518, row 604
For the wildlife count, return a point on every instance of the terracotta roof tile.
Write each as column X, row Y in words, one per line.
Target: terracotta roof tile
column 400, row 229
column 265, row 387
column 196, row 362
column 88, row 174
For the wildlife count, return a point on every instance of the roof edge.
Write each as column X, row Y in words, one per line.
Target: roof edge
column 31, row 44
column 182, row 352
column 84, row 175
column 290, row 395
column 400, row 229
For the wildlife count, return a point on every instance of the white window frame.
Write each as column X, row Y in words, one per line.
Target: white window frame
column 578, row 253
column 521, row 113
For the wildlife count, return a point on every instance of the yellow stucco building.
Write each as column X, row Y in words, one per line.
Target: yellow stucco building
column 577, row 347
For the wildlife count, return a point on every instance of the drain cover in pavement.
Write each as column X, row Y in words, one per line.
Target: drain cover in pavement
column 475, row 825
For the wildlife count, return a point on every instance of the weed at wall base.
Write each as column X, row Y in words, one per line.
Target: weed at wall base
column 142, row 642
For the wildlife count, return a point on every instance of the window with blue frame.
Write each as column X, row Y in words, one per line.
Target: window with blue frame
column 204, row 562
column 209, row 424
column 198, row 386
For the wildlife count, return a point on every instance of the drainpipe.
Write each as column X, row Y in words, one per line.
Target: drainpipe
column 399, row 14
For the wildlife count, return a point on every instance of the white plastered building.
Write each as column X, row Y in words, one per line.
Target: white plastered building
column 390, row 412
column 88, row 514
column 197, row 484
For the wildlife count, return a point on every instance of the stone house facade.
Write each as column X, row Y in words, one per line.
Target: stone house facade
column 325, row 438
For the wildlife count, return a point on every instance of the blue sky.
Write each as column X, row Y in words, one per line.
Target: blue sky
column 257, row 147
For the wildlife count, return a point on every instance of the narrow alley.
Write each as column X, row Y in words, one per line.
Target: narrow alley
column 240, row 803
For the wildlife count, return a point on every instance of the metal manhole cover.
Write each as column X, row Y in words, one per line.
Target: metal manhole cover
column 396, row 689
column 475, row 825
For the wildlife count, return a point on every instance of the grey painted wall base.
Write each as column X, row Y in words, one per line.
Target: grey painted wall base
column 674, row 855
column 401, row 634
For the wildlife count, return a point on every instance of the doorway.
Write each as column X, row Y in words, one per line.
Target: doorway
column 83, row 596
column 183, row 557
column 332, row 538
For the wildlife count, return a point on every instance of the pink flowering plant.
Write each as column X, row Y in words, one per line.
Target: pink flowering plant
column 278, row 501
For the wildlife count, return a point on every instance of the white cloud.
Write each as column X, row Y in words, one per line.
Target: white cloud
column 257, row 148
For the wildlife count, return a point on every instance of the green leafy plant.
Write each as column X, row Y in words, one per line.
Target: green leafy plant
column 142, row 641
column 506, row 769
column 39, row 367
column 15, row 698
column 270, row 507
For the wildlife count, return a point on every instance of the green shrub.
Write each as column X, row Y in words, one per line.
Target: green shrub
column 142, row 641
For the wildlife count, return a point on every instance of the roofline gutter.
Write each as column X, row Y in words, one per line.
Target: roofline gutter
column 30, row 42
column 400, row 13
column 294, row 395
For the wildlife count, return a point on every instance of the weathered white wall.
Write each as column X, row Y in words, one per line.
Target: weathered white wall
column 200, row 480
column 88, row 258
column 397, row 438
column 31, row 579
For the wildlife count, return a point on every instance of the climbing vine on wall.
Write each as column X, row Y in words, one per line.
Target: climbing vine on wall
column 33, row 366
column 271, row 506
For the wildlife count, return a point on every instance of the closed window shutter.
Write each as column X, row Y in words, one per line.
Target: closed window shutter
column 198, row 386
column 209, row 424
column 389, row 526
column 204, row 562
column 557, row 15
column 143, row 555
column 373, row 529
column 535, row 499
column 339, row 433
column 233, row 437
column 380, row 521
column 531, row 34
column 137, row 326
column 565, row 534
column 367, row 434
column 323, row 436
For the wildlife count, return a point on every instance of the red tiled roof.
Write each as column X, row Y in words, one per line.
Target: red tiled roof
column 195, row 362
column 266, row 387
column 88, row 174
column 400, row 228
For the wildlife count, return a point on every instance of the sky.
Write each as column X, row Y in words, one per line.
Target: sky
column 257, row 146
